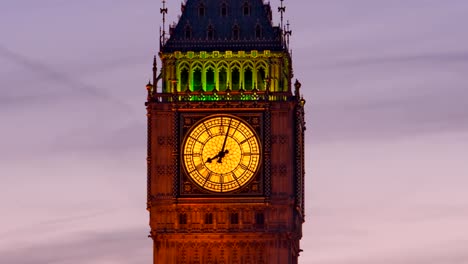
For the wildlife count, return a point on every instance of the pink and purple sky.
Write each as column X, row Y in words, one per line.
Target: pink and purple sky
column 386, row 84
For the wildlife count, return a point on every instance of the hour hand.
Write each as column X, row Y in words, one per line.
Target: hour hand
column 209, row 160
column 221, row 155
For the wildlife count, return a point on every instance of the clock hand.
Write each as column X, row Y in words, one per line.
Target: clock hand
column 209, row 160
column 225, row 138
column 221, row 155
column 222, row 152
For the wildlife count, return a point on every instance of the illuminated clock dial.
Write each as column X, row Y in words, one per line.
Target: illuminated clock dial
column 221, row 153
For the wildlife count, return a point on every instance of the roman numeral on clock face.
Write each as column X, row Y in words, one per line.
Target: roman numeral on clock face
column 245, row 140
column 207, row 130
column 243, row 166
column 199, row 167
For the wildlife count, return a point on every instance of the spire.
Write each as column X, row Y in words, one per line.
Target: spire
column 155, row 72
column 287, row 33
column 163, row 11
column 282, row 9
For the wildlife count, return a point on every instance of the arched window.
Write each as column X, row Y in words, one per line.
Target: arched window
column 224, row 11
column 248, row 79
column 210, row 32
column 258, row 31
column 222, row 77
column 201, row 10
column 197, row 80
column 235, row 32
column 234, row 218
column 235, row 79
column 184, row 79
column 188, row 32
column 209, row 218
column 261, row 75
column 280, row 85
column 183, row 219
column 259, row 218
column 210, row 79
column 246, row 9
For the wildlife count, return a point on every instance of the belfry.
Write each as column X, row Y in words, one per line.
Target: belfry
column 226, row 129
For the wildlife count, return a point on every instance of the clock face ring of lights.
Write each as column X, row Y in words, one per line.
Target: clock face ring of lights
column 221, row 153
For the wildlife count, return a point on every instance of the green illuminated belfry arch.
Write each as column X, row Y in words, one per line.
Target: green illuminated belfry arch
column 217, row 72
column 208, row 71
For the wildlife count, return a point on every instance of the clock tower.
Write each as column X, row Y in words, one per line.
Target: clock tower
column 225, row 138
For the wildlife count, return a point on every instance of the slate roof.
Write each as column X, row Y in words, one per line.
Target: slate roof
column 211, row 25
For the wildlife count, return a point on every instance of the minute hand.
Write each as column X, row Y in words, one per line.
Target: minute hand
column 222, row 152
column 225, row 138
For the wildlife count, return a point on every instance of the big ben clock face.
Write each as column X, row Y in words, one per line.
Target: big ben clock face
column 221, row 153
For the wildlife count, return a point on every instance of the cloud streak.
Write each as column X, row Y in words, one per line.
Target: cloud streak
column 75, row 86
column 119, row 247
column 435, row 59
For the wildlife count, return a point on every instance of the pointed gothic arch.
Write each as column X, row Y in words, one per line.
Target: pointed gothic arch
column 236, row 32
column 261, row 74
column 248, row 76
column 209, row 76
column 223, row 9
column 188, row 31
column 258, row 31
column 197, row 77
column 201, row 9
column 210, row 32
column 246, row 10
column 183, row 73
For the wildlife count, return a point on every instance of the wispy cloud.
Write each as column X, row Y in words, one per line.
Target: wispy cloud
column 75, row 86
column 452, row 252
column 105, row 138
column 119, row 246
column 389, row 96
column 437, row 59
column 52, row 224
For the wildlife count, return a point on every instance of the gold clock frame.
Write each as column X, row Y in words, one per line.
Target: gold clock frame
column 221, row 153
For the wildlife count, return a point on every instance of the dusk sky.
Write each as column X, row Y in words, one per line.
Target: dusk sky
column 386, row 84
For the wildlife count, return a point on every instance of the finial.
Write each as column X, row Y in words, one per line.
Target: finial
column 297, row 85
column 155, row 73
column 149, row 88
column 282, row 9
column 287, row 33
column 303, row 102
column 163, row 11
